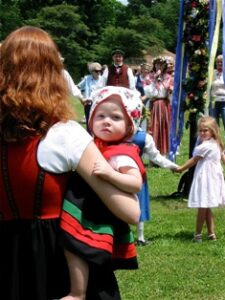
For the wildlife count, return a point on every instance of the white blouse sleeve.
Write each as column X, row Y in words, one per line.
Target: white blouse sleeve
column 104, row 77
column 73, row 89
column 131, row 79
column 154, row 155
column 60, row 151
column 119, row 161
column 151, row 91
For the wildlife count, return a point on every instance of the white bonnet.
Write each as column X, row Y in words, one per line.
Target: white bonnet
column 130, row 100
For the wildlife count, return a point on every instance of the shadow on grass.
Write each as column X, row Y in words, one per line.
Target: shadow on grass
column 181, row 236
column 174, row 196
column 167, row 201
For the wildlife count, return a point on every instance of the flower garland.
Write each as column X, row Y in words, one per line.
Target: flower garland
column 195, row 38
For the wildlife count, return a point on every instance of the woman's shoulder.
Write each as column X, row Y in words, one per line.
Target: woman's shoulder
column 63, row 129
column 63, row 146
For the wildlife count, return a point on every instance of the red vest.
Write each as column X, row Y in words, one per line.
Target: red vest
column 26, row 190
column 118, row 78
column 128, row 149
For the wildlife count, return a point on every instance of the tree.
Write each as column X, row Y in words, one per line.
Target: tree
column 10, row 17
column 87, row 30
column 127, row 39
column 70, row 33
column 152, row 40
column 167, row 11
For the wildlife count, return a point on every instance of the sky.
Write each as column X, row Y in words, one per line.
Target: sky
column 123, row 2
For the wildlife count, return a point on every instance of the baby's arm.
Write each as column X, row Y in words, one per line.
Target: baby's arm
column 128, row 179
column 190, row 163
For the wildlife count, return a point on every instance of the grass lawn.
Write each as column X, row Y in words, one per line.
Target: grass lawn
column 172, row 267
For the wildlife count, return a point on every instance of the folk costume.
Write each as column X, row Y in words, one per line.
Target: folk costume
column 148, row 149
column 33, row 178
column 218, row 93
column 158, row 91
column 143, row 195
column 89, row 229
column 118, row 74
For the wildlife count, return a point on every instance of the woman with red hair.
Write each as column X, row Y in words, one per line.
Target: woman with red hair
column 40, row 146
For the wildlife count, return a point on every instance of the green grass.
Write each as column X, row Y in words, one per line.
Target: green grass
column 172, row 267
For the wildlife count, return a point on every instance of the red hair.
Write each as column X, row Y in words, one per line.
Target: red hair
column 33, row 91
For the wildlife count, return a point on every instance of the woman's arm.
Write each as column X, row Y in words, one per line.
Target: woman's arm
column 127, row 179
column 124, row 205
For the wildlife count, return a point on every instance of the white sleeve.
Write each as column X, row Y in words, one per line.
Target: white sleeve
column 119, row 161
column 151, row 90
column 154, row 155
column 104, row 77
column 73, row 89
column 60, row 151
column 131, row 78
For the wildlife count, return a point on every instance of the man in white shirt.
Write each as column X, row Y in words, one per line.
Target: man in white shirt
column 118, row 74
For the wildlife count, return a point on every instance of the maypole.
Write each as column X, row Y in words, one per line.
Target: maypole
column 191, row 76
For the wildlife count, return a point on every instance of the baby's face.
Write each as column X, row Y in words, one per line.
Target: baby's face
column 110, row 122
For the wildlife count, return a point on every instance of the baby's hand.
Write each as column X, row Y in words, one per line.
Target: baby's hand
column 102, row 169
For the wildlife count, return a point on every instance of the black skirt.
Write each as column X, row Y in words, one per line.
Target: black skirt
column 32, row 263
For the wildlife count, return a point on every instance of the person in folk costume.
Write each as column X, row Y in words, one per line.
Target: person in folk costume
column 148, row 149
column 159, row 91
column 118, row 74
column 41, row 145
column 218, row 92
column 142, row 80
column 99, row 242
column 170, row 71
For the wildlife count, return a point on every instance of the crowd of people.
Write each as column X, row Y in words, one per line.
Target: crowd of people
column 154, row 82
column 68, row 193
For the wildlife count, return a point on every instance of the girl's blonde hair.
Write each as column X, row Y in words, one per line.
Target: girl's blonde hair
column 33, row 91
column 211, row 124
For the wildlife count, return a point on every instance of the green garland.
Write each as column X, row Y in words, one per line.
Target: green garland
column 195, row 38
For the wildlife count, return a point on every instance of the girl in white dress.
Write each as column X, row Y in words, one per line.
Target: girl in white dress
column 208, row 188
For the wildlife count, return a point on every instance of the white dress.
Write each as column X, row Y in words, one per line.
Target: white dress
column 208, row 188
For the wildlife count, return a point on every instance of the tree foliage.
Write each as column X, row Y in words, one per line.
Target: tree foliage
column 10, row 18
column 87, row 30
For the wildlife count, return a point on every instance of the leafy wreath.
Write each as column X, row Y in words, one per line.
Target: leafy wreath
column 195, row 38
